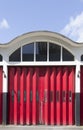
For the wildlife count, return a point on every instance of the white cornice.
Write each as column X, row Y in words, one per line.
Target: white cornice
column 44, row 34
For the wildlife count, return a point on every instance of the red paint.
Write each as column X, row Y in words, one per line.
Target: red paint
column 42, row 95
column 58, row 97
column 52, row 97
column 64, row 95
column 11, row 95
column 28, row 94
column 34, row 107
column 46, row 95
column 21, row 96
column 71, row 96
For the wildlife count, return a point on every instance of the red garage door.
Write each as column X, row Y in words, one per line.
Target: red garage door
column 1, row 77
column 41, row 95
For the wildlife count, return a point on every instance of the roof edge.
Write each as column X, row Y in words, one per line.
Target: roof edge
column 43, row 32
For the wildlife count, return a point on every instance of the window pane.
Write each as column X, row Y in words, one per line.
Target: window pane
column 81, row 57
column 54, row 52
column 1, row 57
column 67, row 56
column 28, row 52
column 41, row 51
column 15, row 56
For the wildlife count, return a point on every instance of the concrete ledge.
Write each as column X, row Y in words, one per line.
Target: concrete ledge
column 39, row 127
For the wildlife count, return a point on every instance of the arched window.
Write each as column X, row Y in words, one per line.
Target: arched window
column 16, row 55
column 41, row 51
column 54, row 52
column 1, row 58
column 66, row 55
column 81, row 57
column 28, row 52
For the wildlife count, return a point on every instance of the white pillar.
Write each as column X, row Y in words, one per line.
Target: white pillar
column 77, row 95
column 5, row 93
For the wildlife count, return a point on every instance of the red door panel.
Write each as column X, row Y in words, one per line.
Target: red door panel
column 58, row 96
column 64, row 95
column 52, row 96
column 41, row 95
column 71, row 96
column 11, row 95
column 34, row 97
column 46, row 95
column 29, row 96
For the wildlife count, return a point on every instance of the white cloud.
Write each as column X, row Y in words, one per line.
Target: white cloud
column 74, row 29
column 4, row 24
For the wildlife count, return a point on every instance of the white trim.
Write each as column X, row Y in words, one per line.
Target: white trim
column 47, row 51
column 61, row 54
column 5, row 78
column 34, row 51
column 21, row 54
column 38, row 63
column 77, row 79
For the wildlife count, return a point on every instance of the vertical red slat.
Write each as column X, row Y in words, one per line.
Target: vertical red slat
column 28, row 94
column 22, row 96
column 37, row 95
column 52, row 85
column 18, row 94
column 41, row 95
column 58, row 96
column 15, row 96
column 11, row 95
column 1, row 94
column 71, row 96
column 22, row 92
column 46, row 96
column 64, row 96
column 55, row 107
column 34, row 109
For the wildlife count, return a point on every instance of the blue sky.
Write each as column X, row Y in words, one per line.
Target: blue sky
column 21, row 16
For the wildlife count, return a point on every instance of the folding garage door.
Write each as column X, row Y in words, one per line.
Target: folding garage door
column 41, row 95
column 1, row 77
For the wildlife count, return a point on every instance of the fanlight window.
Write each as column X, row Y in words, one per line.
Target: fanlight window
column 66, row 55
column 41, row 51
column 15, row 56
column 54, row 52
column 28, row 52
column 1, row 58
column 81, row 57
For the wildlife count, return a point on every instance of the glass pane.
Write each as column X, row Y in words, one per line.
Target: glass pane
column 54, row 52
column 1, row 58
column 15, row 56
column 28, row 52
column 81, row 57
column 41, row 51
column 67, row 56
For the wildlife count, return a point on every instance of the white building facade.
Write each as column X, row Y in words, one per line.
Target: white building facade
column 41, row 80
